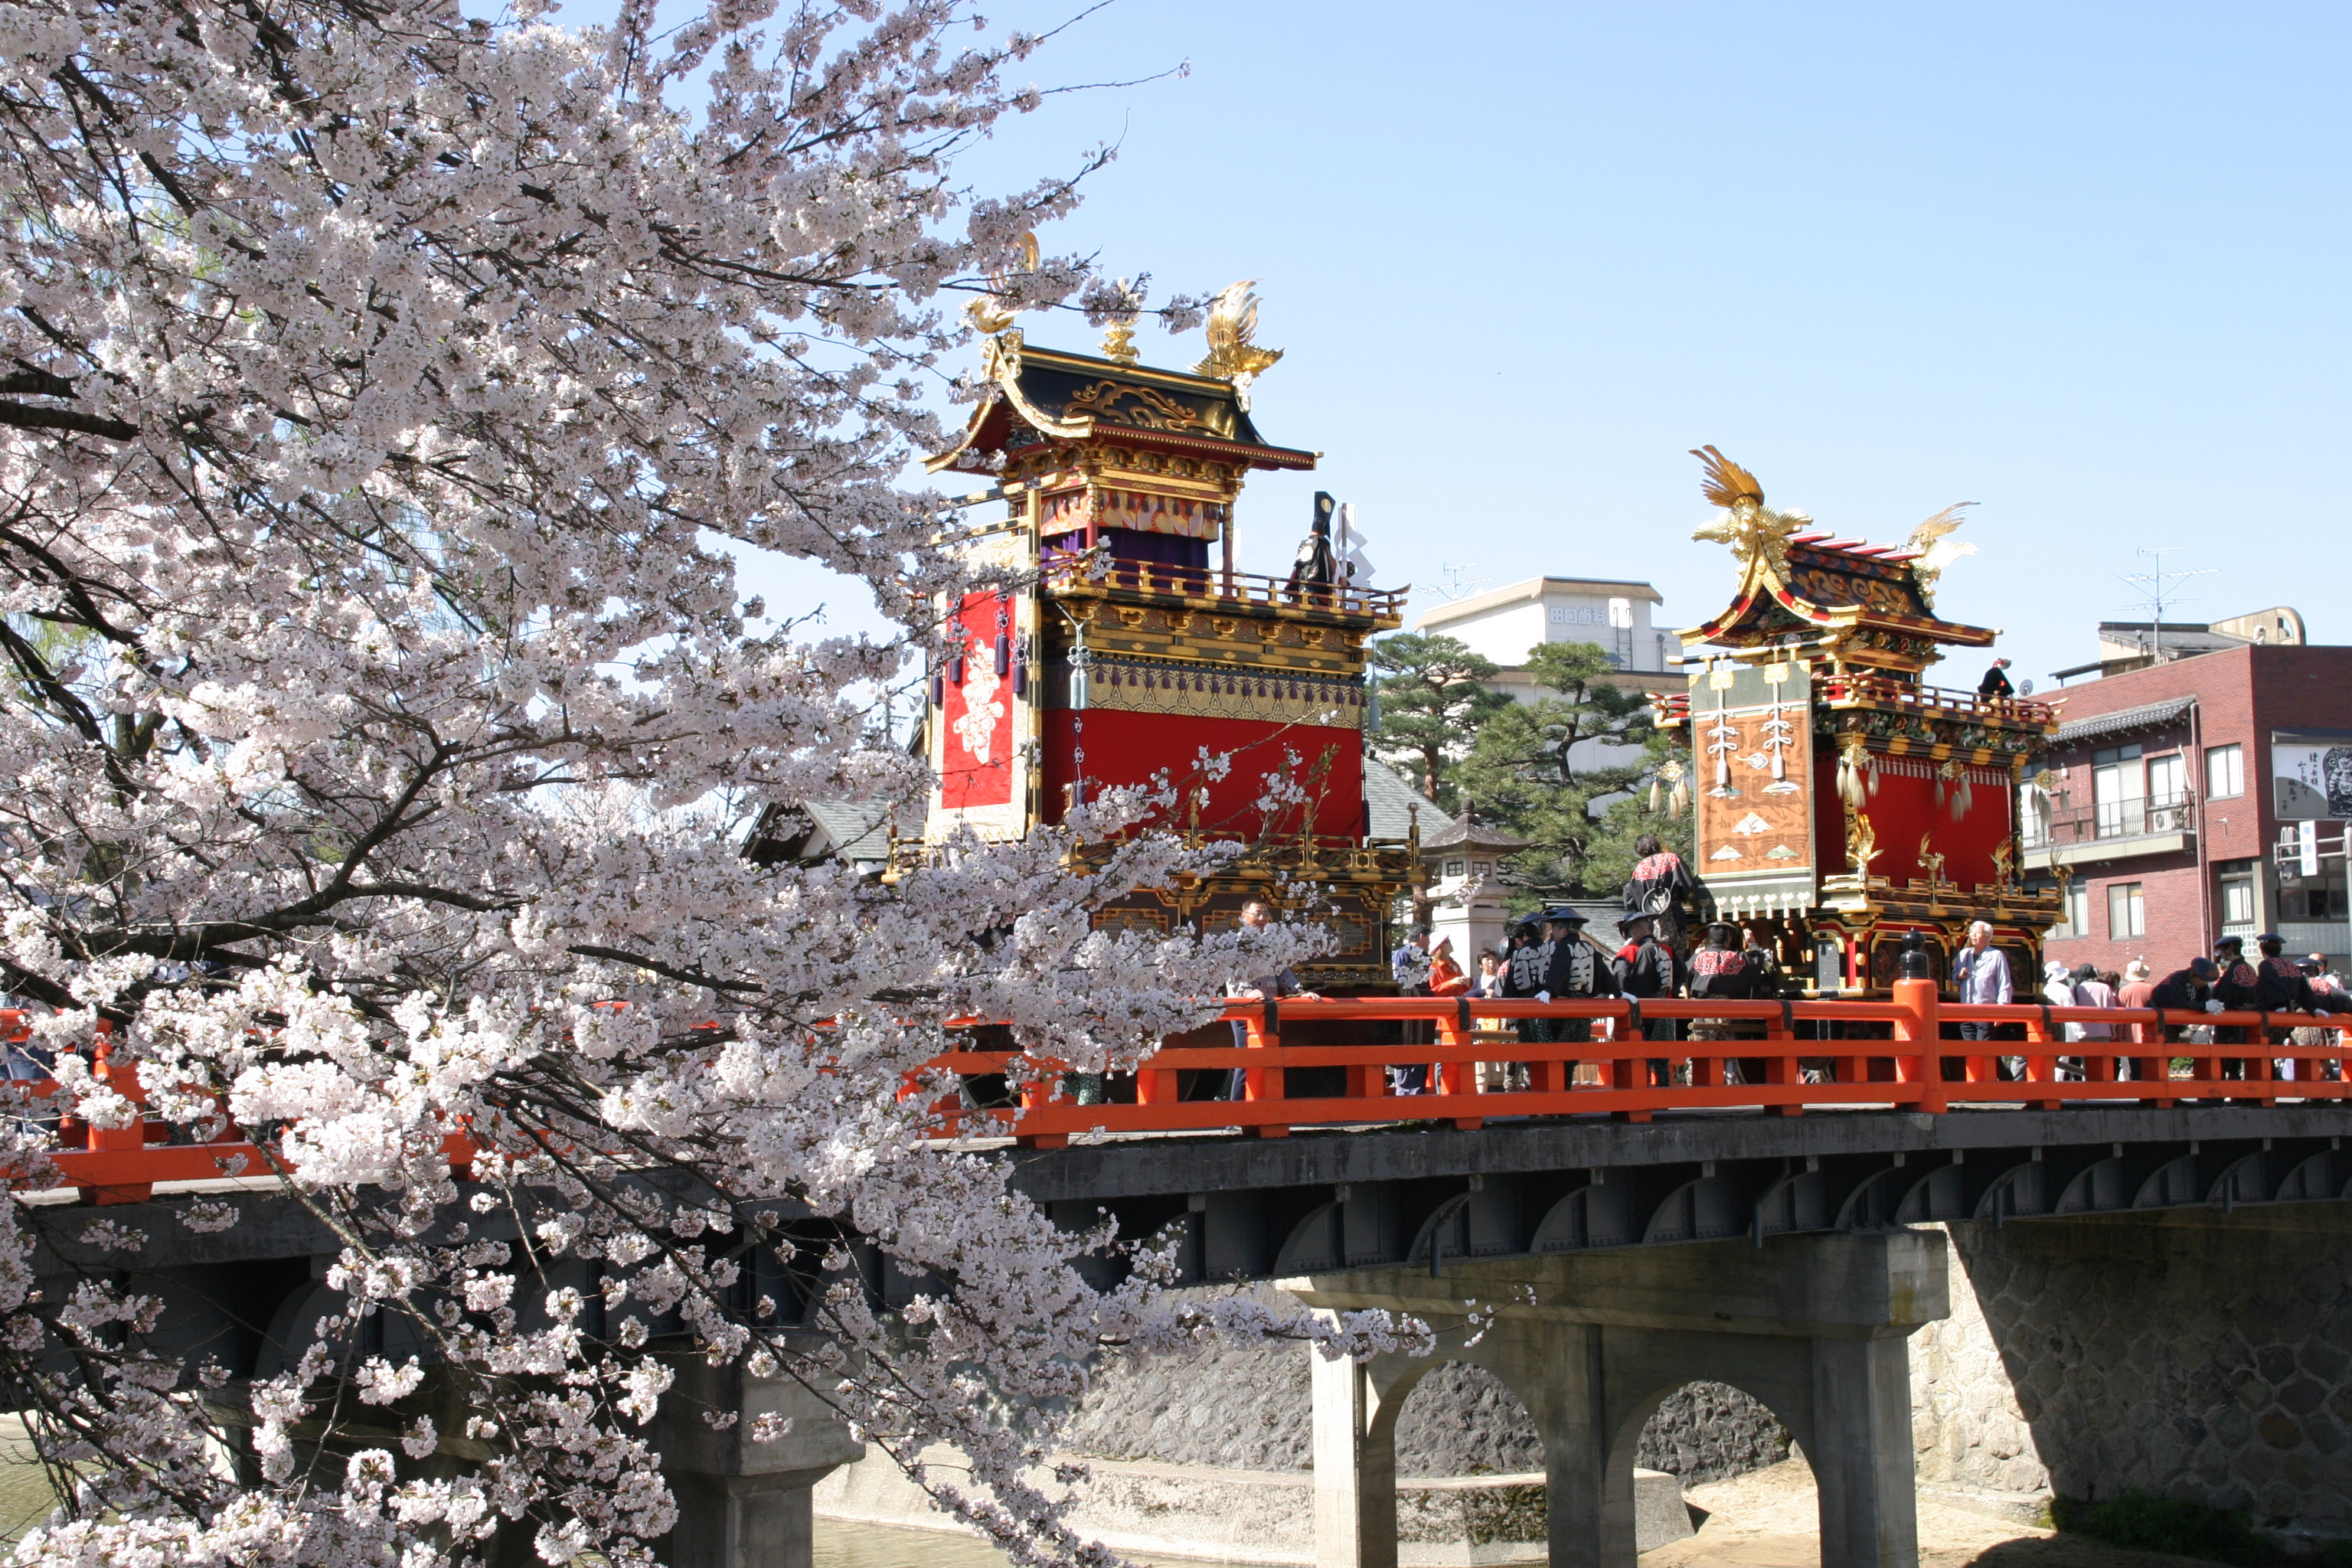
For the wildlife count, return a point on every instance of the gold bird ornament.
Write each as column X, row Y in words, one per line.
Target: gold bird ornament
column 1230, row 326
column 1749, row 527
column 1932, row 552
column 992, row 313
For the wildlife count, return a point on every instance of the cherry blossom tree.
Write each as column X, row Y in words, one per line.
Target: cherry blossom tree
column 384, row 388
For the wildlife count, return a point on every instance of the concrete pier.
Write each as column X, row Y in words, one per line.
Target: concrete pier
column 740, row 1502
column 1812, row 1326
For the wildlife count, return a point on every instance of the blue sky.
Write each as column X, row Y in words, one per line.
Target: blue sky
column 2083, row 265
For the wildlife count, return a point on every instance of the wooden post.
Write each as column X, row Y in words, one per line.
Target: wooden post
column 1916, row 1025
column 1263, row 1083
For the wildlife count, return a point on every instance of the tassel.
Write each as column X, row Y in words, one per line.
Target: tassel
column 1679, row 801
column 955, row 668
column 1658, row 791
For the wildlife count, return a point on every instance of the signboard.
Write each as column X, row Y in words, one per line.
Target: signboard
column 976, row 762
column 982, row 735
column 1751, row 736
column 2311, row 777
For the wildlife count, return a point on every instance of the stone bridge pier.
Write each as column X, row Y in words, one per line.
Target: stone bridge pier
column 1812, row 1326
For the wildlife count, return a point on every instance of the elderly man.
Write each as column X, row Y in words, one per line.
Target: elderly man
column 1980, row 974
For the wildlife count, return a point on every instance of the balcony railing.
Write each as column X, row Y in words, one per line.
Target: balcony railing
column 1238, row 589
column 1877, row 690
column 2116, row 819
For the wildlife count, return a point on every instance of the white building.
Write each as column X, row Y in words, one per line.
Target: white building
column 1505, row 624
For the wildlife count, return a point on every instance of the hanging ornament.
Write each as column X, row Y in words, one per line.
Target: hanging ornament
column 1676, row 782
column 1952, row 779
column 1856, row 765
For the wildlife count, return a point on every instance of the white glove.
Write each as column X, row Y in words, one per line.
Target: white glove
column 1543, row 995
column 2215, row 1007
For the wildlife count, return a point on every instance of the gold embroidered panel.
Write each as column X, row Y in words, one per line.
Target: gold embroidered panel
column 1144, row 512
column 1196, row 692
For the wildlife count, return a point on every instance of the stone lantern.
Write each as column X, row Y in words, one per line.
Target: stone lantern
column 1462, row 870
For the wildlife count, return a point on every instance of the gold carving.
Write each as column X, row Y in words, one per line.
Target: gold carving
column 2004, row 866
column 1149, row 410
column 993, row 314
column 1930, row 556
column 1861, row 843
column 1932, row 861
column 1752, row 529
column 1233, row 321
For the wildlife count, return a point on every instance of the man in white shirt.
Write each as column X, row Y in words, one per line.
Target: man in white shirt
column 1980, row 974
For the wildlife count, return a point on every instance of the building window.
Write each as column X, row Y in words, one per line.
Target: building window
column 2237, row 902
column 2074, row 914
column 1453, row 867
column 1481, row 869
column 2126, row 911
column 2225, row 773
column 2119, row 791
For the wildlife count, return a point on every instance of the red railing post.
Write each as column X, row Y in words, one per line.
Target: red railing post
column 1783, row 1069
column 1259, row 1083
column 1917, row 1024
column 2041, row 1066
column 1038, row 1092
column 127, row 1143
column 1458, row 1077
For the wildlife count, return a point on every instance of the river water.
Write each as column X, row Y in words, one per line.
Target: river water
column 25, row 1499
column 842, row 1544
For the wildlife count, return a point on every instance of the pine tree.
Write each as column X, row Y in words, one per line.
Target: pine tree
column 1433, row 700
column 1524, row 771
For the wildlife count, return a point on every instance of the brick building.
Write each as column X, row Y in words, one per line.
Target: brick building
column 2164, row 812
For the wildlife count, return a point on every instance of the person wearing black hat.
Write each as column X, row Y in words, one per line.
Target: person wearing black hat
column 2188, row 990
column 1996, row 681
column 1573, row 970
column 2280, row 988
column 1649, row 967
column 1523, row 970
column 2279, row 984
column 1721, row 970
column 2238, row 989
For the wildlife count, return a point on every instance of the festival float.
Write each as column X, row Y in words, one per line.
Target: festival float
column 1120, row 643
column 1842, row 802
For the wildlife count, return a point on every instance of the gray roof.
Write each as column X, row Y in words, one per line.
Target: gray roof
column 860, row 830
column 1467, row 834
column 1391, row 800
column 855, row 831
column 2145, row 716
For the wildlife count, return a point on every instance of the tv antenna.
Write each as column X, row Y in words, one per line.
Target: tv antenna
column 1450, row 586
column 2157, row 584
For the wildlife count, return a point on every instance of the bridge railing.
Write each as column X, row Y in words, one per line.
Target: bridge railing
column 1888, row 1052
column 123, row 1164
